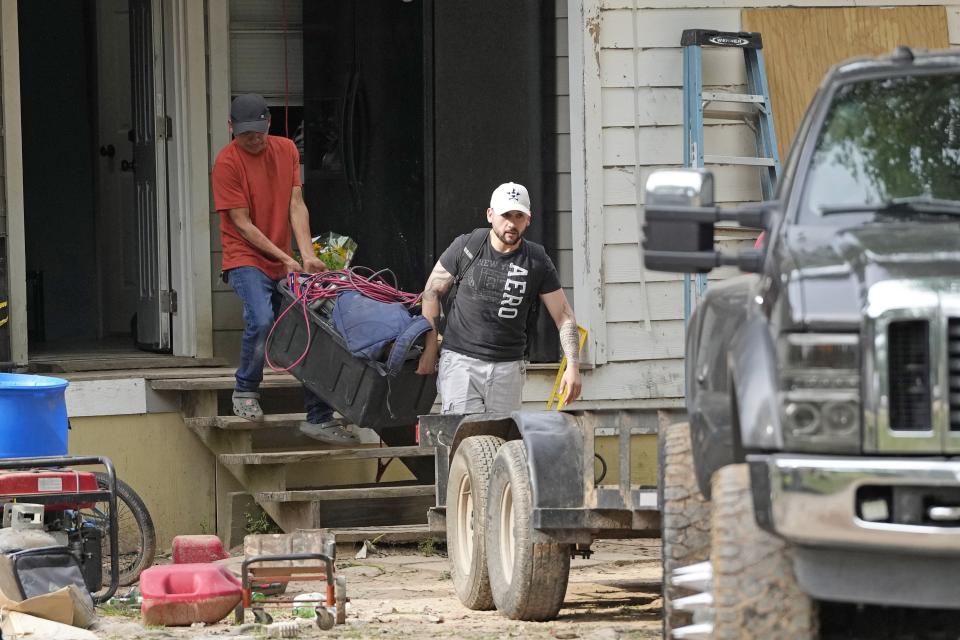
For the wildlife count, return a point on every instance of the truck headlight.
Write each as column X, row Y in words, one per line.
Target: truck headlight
column 820, row 391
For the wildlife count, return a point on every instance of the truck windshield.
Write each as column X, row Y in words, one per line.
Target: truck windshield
column 888, row 146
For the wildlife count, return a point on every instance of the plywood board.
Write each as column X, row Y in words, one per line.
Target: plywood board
column 800, row 45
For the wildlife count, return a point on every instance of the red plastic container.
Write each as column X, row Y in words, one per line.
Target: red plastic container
column 193, row 549
column 177, row 595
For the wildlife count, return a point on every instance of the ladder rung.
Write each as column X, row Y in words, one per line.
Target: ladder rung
column 729, row 114
column 721, row 96
column 741, row 160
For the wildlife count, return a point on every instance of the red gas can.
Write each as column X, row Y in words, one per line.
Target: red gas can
column 181, row 594
column 192, row 549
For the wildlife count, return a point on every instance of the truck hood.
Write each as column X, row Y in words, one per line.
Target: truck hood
column 831, row 269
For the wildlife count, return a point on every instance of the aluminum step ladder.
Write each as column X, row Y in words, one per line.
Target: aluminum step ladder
column 753, row 108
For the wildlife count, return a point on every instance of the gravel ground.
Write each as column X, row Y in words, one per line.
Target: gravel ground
column 403, row 593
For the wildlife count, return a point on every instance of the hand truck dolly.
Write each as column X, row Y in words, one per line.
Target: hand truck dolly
column 253, row 571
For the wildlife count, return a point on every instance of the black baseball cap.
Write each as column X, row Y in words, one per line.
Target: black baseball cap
column 249, row 112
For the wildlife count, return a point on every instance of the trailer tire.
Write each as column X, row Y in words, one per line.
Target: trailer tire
column 755, row 591
column 467, row 485
column 528, row 579
column 685, row 517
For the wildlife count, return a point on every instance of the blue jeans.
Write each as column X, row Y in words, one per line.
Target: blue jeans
column 261, row 303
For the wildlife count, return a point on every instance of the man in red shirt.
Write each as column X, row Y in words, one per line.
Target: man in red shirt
column 258, row 193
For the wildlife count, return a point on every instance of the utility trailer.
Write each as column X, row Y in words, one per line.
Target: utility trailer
column 520, row 494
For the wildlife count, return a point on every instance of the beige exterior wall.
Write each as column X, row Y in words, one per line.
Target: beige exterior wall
column 164, row 462
column 630, row 120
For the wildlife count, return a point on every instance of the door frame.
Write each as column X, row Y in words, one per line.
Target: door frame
column 13, row 190
column 188, row 177
column 188, row 184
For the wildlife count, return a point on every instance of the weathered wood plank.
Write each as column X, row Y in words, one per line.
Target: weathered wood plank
column 620, row 225
column 220, row 382
column 235, row 423
column 664, row 67
column 632, row 381
column 660, row 28
column 149, row 374
column 288, row 457
column 731, row 184
column 400, row 534
column 664, row 145
column 658, row 107
column 626, row 302
column 841, row 33
column 621, row 263
column 629, row 341
column 353, row 493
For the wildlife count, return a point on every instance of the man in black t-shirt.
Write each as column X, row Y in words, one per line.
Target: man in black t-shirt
column 481, row 368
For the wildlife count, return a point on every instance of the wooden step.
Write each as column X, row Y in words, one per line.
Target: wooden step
column 213, row 383
column 288, row 457
column 396, row 534
column 236, row 423
column 352, row 493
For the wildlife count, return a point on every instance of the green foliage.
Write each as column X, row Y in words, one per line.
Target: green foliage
column 119, row 609
column 429, row 546
column 259, row 521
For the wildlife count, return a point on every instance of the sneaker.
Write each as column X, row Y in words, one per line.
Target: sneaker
column 330, row 432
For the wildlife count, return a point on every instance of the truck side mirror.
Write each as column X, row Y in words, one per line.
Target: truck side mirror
column 679, row 241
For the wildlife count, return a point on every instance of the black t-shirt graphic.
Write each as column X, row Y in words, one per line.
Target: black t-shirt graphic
column 489, row 315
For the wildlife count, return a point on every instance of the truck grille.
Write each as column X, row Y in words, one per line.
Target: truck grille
column 953, row 355
column 909, row 362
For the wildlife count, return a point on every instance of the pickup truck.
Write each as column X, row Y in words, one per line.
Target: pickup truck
column 821, row 458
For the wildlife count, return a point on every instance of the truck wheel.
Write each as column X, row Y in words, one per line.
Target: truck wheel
column 684, row 516
column 528, row 579
column 466, row 514
column 755, row 592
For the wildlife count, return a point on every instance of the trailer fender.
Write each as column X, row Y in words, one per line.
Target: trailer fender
column 554, row 444
column 754, row 374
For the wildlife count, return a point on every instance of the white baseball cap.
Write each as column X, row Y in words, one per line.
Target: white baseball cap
column 510, row 196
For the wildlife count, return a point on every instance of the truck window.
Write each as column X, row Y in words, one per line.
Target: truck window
column 883, row 139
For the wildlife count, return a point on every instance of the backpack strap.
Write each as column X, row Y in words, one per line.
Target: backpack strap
column 471, row 250
column 403, row 344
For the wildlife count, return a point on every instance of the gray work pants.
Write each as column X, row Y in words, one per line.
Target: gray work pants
column 469, row 385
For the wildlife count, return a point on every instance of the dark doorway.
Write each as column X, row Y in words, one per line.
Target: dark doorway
column 415, row 110
column 57, row 97
column 364, row 129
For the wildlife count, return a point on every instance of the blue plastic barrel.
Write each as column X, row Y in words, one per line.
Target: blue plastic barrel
column 33, row 416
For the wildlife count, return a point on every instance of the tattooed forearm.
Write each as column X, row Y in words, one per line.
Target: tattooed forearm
column 438, row 284
column 570, row 341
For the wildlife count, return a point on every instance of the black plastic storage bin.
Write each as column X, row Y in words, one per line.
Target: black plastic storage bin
column 350, row 385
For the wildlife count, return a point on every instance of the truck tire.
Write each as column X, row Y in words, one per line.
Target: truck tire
column 466, row 514
column 755, row 592
column 684, row 516
column 528, row 579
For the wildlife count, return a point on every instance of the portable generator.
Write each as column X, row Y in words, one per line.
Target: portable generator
column 70, row 499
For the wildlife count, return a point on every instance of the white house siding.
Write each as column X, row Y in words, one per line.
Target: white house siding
column 631, row 57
